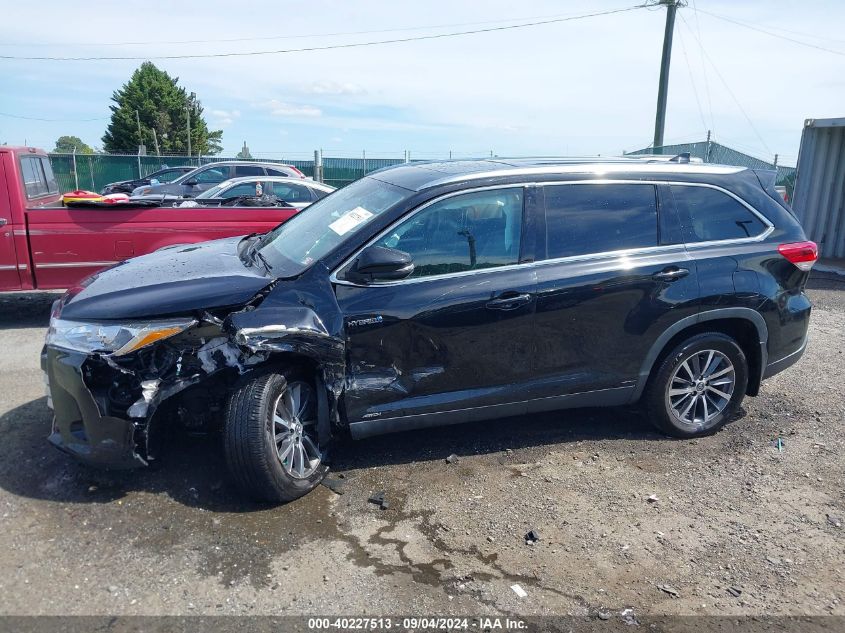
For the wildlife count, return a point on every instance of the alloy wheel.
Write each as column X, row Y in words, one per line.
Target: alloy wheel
column 295, row 430
column 701, row 387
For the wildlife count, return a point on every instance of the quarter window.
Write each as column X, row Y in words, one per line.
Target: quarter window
column 586, row 218
column 466, row 232
column 710, row 215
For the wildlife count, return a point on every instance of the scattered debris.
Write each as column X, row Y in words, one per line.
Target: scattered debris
column 735, row 591
column 670, row 590
column 653, row 499
column 377, row 498
column 603, row 615
column 518, row 590
column 334, row 484
column 452, row 459
column 491, row 539
column 834, row 521
column 629, row 617
column 779, row 444
column 532, row 536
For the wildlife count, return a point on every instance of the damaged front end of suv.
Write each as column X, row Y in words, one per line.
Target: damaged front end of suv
column 120, row 386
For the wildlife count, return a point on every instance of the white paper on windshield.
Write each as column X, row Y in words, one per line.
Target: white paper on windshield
column 350, row 220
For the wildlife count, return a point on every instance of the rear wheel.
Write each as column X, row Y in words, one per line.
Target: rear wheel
column 270, row 439
column 698, row 386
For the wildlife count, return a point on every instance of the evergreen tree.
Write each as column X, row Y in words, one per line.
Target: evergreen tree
column 161, row 105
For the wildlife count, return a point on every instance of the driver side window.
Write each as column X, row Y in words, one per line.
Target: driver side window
column 210, row 176
column 465, row 232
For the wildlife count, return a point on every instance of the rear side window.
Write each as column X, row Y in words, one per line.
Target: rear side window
column 709, row 215
column 248, row 170
column 38, row 179
column 584, row 218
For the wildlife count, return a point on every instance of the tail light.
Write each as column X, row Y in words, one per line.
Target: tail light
column 802, row 254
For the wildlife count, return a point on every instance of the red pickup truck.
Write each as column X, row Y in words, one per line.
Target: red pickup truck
column 44, row 245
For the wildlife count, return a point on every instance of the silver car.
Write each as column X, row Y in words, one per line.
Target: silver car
column 295, row 192
column 207, row 176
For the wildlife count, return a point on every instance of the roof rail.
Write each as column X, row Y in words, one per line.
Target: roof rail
column 683, row 157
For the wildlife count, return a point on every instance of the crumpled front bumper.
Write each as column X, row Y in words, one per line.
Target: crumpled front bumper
column 80, row 427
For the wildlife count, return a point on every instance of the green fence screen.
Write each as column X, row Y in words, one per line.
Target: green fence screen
column 95, row 171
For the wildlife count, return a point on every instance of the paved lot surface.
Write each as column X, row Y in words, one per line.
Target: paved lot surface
column 739, row 527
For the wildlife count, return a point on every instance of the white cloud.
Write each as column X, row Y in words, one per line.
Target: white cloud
column 281, row 108
column 224, row 118
column 329, row 88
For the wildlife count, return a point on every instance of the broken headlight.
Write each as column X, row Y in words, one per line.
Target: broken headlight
column 112, row 338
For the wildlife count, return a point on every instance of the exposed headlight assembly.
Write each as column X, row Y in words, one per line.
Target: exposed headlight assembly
column 112, row 338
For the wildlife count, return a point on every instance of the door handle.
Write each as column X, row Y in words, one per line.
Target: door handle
column 509, row 301
column 670, row 274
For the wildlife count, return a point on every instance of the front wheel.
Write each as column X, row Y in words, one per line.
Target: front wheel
column 698, row 386
column 270, row 437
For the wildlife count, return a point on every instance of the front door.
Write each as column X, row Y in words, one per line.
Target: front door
column 455, row 339
column 9, row 277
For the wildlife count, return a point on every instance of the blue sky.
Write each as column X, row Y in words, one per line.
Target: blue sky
column 572, row 88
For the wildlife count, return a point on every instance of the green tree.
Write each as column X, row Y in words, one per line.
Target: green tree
column 161, row 105
column 65, row 145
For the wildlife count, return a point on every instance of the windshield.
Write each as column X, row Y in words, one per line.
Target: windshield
column 308, row 236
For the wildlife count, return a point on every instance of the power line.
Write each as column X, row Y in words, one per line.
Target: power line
column 296, row 36
column 777, row 35
column 30, row 118
column 692, row 81
column 703, row 67
column 327, row 47
column 727, row 87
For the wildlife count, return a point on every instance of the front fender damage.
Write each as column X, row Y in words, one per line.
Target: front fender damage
column 296, row 330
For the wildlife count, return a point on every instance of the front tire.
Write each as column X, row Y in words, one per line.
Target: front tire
column 270, row 437
column 698, row 387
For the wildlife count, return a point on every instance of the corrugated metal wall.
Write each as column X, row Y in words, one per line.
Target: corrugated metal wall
column 819, row 200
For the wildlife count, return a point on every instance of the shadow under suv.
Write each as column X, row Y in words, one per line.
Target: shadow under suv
column 437, row 293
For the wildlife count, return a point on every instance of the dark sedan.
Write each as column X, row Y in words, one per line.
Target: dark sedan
column 162, row 176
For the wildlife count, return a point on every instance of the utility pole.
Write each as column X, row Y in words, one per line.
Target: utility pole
column 155, row 140
column 140, row 135
column 188, row 112
column 663, row 89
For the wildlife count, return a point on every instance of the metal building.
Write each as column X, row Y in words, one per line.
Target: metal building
column 819, row 198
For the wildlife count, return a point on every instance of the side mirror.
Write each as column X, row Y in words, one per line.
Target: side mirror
column 190, row 183
column 378, row 263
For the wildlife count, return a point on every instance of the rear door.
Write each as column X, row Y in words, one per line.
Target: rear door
column 456, row 338
column 616, row 275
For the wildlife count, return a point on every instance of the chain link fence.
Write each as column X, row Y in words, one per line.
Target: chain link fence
column 95, row 171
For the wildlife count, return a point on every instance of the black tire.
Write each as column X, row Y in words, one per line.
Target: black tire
column 657, row 399
column 249, row 440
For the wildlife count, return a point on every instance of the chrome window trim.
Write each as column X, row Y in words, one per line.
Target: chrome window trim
column 647, row 250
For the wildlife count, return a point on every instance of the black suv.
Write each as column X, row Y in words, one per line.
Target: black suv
column 437, row 293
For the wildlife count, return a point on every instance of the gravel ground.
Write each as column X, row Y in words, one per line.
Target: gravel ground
column 727, row 524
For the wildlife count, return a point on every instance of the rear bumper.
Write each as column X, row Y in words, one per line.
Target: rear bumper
column 783, row 363
column 80, row 428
